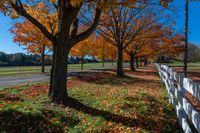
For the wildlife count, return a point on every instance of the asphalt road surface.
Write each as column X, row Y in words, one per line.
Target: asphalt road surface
column 20, row 80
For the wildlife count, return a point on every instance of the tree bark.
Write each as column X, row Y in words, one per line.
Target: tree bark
column 145, row 61
column 58, row 88
column 43, row 61
column 52, row 71
column 141, row 61
column 132, row 63
column 120, row 71
column 137, row 62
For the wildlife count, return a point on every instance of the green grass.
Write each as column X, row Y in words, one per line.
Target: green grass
column 24, row 70
column 193, row 67
column 98, row 103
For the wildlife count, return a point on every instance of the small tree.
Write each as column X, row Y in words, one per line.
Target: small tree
column 26, row 34
column 122, row 26
column 83, row 48
column 104, row 50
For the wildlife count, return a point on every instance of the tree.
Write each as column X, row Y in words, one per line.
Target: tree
column 65, row 38
column 26, row 34
column 117, row 30
column 171, row 46
column 67, row 35
column 82, row 49
column 148, row 35
column 104, row 50
column 192, row 52
column 123, row 24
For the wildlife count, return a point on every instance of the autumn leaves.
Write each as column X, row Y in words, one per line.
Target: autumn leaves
column 120, row 25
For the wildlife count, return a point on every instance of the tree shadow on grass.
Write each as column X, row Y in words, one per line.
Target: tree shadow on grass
column 170, row 120
column 139, row 71
column 144, row 105
column 106, row 78
column 145, row 72
column 108, row 116
column 13, row 121
column 147, row 107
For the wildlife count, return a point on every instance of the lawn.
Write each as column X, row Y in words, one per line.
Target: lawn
column 99, row 102
column 191, row 66
column 193, row 69
column 26, row 70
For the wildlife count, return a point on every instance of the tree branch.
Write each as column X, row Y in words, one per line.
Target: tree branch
column 89, row 31
column 20, row 10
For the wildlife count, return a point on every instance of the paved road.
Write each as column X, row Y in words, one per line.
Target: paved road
column 12, row 81
column 35, row 78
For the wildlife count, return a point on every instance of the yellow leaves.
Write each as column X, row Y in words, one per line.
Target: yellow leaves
column 6, row 9
column 28, row 35
column 105, row 103
column 104, row 50
column 14, row 15
column 172, row 45
column 53, row 1
column 76, row 3
column 165, row 3
column 84, row 48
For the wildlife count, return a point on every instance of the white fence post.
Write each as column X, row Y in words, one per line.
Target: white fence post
column 17, row 70
column 177, row 86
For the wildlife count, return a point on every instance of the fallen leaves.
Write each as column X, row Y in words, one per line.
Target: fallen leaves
column 104, row 103
column 35, row 91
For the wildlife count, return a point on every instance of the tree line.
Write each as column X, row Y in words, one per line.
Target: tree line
column 193, row 55
column 21, row 59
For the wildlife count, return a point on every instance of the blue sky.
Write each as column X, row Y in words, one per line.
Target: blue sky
column 8, row 46
column 6, row 43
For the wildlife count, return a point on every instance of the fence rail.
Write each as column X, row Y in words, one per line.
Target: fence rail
column 12, row 71
column 177, row 86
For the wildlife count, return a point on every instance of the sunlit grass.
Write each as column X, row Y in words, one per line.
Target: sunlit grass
column 121, row 104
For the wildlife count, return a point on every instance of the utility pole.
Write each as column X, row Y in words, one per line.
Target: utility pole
column 186, row 37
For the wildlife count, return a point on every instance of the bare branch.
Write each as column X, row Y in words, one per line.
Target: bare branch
column 89, row 31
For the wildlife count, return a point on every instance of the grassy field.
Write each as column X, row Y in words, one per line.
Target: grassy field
column 99, row 102
column 180, row 64
column 191, row 66
column 193, row 69
column 21, row 70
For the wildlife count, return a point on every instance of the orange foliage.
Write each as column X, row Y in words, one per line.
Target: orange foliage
column 105, row 50
column 26, row 34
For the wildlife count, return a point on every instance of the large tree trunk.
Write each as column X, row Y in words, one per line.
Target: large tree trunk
column 43, row 61
column 145, row 61
column 137, row 62
column 132, row 63
column 141, row 61
column 58, row 88
column 52, row 72
column 120, row 62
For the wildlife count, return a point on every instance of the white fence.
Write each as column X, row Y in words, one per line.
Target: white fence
column 177, row 86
